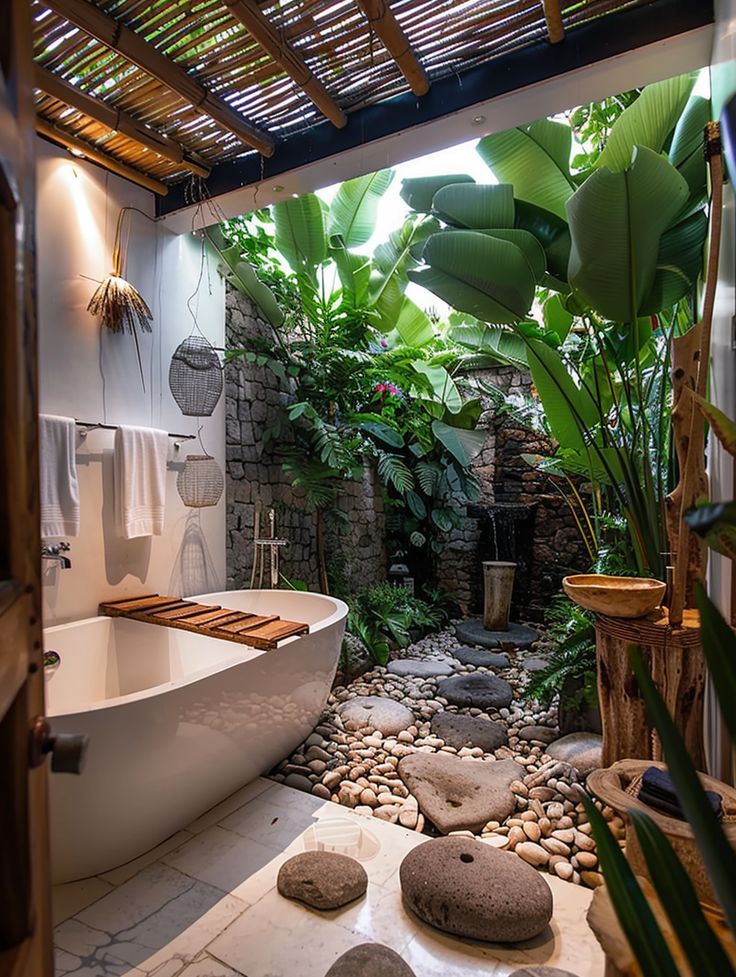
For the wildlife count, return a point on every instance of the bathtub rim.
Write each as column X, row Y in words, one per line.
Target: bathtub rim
column 339, row 614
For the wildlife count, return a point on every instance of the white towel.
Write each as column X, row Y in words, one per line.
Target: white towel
column 140, row 481
column 59, row 486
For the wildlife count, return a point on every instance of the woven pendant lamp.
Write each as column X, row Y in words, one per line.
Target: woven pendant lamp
column 200, row 482
column 195, row 377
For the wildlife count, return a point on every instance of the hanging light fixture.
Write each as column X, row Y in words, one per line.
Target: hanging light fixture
column 200, row 482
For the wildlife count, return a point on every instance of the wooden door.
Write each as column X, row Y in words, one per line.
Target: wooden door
column 25, row 921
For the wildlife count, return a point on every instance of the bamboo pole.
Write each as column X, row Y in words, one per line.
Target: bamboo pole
column 689, row 477
column 114, row 35
column 553, row 17
column 116, row 120
column 256, row 23
column 97, row 156
column 384, row 23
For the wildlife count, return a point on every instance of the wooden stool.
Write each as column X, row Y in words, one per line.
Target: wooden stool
column 675, row 660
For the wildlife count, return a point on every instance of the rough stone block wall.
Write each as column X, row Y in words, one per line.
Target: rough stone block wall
column 256, row 402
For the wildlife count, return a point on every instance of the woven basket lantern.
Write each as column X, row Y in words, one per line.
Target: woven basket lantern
column 195, row 377
column 200, row 482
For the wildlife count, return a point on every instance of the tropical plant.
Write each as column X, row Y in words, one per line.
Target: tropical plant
column 572, row 632
column 385, row 615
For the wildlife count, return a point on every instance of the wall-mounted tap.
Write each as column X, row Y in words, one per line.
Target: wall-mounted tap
column 55, row 551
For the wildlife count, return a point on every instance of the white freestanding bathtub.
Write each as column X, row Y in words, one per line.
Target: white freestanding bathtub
column 176, row 721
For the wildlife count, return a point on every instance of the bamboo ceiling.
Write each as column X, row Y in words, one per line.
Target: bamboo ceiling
column 163, row 89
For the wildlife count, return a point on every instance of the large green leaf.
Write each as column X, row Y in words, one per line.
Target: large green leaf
column 551, row 231
column 646, row 122
column 556, row 317
column 462, row 444
column 413, row 324
column 354, row 271
column 616, row 223
column 718, row 856
column 723, row 427
column 354, row 208
column 485, row 276
column 503, row 345
column 241, row 275
column 536, row 160
column 300, row 232
column 570, row 410
column 686, row 151
column 476, row 205
column 679, row 263
column 442, row 385
column 679, row 900
column 716, row 524
column 719, row 648
column 630, row 904
column 418, row 192
column 393, row 258
column 527, row 243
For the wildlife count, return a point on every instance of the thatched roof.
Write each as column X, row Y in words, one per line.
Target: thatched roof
column 167, row 88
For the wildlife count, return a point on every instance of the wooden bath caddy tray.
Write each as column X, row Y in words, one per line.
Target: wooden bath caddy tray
column 256, row 630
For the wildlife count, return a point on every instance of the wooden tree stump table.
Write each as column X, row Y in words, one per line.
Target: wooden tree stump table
column 675, row 660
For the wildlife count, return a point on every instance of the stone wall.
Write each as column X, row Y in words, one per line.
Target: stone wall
column 518, row 515
column 256, row 404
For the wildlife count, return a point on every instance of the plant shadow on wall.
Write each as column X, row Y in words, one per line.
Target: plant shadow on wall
column 370, row 379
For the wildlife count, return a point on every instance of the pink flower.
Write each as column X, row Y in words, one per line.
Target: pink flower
column 384, row 344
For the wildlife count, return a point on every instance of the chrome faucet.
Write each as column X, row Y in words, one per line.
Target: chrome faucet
column 55, row 551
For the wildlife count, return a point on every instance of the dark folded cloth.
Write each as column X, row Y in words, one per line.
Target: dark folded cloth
column 658, row 791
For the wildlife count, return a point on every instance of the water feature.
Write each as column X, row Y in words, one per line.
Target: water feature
column 507, row 534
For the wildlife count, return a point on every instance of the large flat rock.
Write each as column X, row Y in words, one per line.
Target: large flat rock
column 421, row 667
column 457, row 794
column 473, row 633
column 377, row 711
column 584, row 751
column 466, row 888
column 481, row 689
column 322, row 879
column 481, row 657
column 369, row 960
column 459, row 731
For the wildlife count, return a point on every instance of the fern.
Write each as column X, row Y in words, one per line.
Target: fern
column 393, row 470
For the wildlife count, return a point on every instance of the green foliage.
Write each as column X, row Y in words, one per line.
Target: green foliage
column 572, row 631
column 386, row 615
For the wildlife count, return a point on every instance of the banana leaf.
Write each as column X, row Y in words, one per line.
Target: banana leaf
column 556, row 317
column 718, row 856
column 629, row 902
column 551, row 231
column 462, row 444
column 354, row 208
column 535, row 159
column 686, row 151
column 475, row 205
column 393, row 258
column 241, row 275
column 487, row 277
column 300, row 233
column 354, row 272
column 413, row 324
column 442, row 385
column 679, row 900
column 503, row 345
column 646, row 122
column 527, row 243
column 418, row 192
column 616, row 222
column 569, row 410
column 679, row 263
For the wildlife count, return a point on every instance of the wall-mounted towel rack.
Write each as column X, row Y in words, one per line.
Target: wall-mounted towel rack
column 93, row 425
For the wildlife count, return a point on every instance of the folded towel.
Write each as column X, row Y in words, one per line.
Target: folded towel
column 658, row 791
column 140, row 481
column 59, row 486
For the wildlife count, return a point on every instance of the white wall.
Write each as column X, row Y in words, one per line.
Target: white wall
column 94, row 376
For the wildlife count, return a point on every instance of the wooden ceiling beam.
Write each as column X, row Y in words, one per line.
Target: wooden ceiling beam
column 84, row 149
column 116, row 36
column 553, row 17
column 116, row 120
column 270, row 39
column 392, row 36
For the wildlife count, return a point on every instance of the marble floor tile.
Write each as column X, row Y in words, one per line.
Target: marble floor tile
column 275, row 818
column 230, row 804
column 71, row 897
column 205, row 966
column 124, row 872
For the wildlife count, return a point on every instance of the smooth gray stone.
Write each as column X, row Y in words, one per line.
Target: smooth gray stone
column 422, row 668
column 474, row 633
column 322, row 879
column 370, row 960
column 481, row 689
column 377, row 711
column 459, row 731
column 481, row 657
column 464, row 887
column 584, row 751
column 299, row 782
column 533, row 663
column 544, row 734
column 459, row 795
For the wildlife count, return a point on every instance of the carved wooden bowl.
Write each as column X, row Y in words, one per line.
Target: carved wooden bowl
column 614, row 596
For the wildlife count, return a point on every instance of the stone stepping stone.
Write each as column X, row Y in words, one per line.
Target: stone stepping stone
column 463, row 887
column 459, row 731
column 460, row 795
column 473, row 633
column 421, row 668
column 370, row 960
column 533, row 663
column 322, row 879
column 481, row 658
column 378, row 711
column 543, row 734
column 481, row 689
column 584, row 751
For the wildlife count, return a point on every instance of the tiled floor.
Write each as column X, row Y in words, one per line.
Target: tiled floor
column 204, row 904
